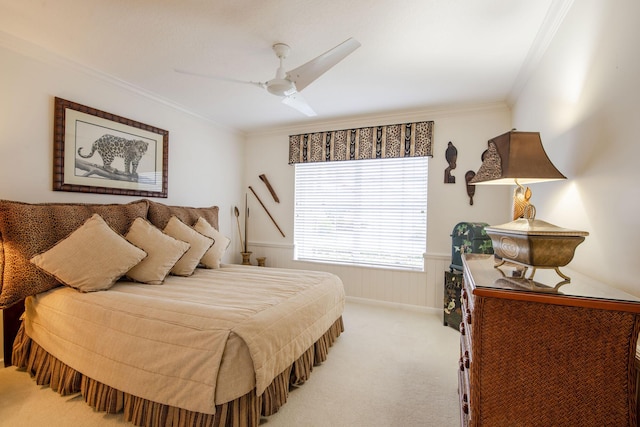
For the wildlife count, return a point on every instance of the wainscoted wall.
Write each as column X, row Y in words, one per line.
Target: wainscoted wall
column 424, row 289
column 468, row 128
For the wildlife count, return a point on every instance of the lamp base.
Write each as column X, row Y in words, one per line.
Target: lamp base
column 523, row 272
column 533, row 243
column 521, row 205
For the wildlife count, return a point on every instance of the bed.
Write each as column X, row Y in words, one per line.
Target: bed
column 172, row 345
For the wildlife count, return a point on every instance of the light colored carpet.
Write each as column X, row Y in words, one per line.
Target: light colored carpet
column 391, row 367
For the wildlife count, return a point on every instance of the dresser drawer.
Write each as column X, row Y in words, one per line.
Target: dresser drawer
column 467, row 318
column 466, row 294
column 463, row 389
column 465, row 343
column 464, row 404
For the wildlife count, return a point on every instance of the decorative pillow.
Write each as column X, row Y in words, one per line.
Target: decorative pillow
column 213, row 256
column 199, row 246
column 91, row 258
column 159, row 214
column 29, row 229
column 163, row 251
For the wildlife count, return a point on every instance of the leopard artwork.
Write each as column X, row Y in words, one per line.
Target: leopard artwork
column 109, row 147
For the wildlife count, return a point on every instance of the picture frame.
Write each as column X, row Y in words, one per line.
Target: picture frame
column 99, row 152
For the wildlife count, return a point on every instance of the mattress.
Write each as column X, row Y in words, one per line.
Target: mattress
column 192, row 342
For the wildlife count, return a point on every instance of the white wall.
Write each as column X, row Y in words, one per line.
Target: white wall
column 468, row 128
column 584, row 98
column 205, row 161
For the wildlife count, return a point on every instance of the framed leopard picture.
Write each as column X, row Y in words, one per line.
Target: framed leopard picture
column 99, row 152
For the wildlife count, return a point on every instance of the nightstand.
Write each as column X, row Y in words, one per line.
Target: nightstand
column 452, row 310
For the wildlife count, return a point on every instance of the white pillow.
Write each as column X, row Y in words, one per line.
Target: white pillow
column 91, row 258
column 213, row 256
column 199, row 245
column 163, row 251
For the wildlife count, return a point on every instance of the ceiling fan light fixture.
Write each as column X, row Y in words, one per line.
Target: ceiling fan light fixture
column 281, row 87
column 288, row 85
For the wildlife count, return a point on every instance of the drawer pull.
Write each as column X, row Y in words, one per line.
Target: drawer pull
column 468, row 316
column 466, row 359
column 462, row 331
column 461, row 364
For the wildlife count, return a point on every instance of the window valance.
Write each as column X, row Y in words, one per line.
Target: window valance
column 377, row 142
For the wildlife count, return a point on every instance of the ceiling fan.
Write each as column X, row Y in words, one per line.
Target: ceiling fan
column 288, row 84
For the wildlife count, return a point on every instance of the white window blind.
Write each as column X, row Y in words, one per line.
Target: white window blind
column 362, row 212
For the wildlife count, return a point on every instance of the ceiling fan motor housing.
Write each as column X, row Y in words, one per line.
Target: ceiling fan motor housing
column 281, row 87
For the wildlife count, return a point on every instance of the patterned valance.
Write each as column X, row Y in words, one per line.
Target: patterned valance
column 378, row 142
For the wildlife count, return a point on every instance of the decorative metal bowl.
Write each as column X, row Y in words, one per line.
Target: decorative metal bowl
column 535, row 243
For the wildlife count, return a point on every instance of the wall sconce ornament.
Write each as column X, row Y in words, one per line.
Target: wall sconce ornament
column 451, row 155
column 471, row 189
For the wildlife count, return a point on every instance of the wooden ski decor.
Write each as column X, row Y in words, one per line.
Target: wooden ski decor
column 266, row 210
column 264, row 179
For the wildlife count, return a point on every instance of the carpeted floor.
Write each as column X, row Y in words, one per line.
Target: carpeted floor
column 391, row 367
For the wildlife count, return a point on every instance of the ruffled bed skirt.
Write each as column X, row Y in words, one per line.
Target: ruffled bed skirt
column 242, row 412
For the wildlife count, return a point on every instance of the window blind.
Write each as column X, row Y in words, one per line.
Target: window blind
column 364, row 212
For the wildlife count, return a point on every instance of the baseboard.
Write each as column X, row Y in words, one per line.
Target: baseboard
column 389, row 304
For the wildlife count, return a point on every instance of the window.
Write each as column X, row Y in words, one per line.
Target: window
column 362, row 212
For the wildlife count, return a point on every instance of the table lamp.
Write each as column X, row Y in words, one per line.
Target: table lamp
column 517, row 158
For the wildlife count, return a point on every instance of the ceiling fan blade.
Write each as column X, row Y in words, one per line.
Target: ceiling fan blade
column 307, row 73
column 226, row 79
column 296, row 101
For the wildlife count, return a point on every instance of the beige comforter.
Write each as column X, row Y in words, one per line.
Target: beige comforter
column 191, row 342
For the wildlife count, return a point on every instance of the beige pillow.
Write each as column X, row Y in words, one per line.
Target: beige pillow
column 91, row 258
column 199, row 245
column 163, row 251
column 213, row 256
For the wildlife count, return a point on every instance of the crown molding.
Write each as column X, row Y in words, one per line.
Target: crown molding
column 41, row 54
column 555, row 16
column 383, row 118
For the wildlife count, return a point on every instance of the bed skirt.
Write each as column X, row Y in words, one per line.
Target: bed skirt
column 242, row 412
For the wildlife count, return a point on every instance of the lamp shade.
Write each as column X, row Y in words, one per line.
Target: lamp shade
column 516, row 158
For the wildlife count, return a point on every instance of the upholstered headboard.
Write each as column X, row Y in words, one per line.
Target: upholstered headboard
column 159, row 214
column 28, row 229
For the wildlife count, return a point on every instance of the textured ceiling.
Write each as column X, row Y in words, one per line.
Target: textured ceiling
column 415, row 54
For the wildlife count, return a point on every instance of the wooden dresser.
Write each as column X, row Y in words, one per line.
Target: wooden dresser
column 537, row 354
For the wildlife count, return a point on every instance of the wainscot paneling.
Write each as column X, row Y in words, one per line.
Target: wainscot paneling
column 423, row 289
